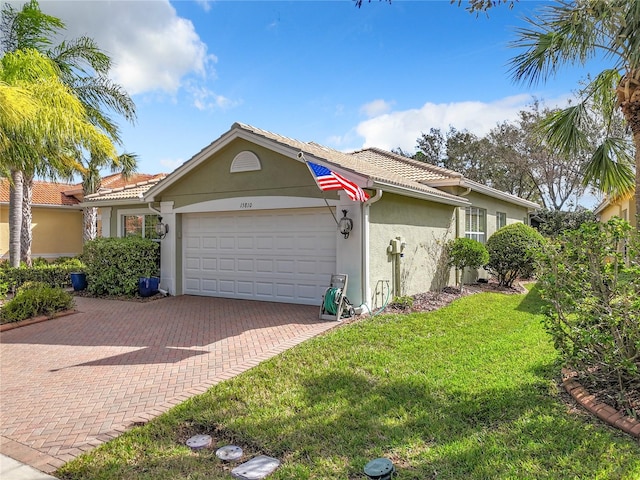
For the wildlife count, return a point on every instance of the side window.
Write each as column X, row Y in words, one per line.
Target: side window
column 476, row 224
column 501, row 220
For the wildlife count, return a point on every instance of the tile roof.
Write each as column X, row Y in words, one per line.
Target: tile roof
column 44, row 193
column 406, row 167
column 405, row 175
column 130, row 191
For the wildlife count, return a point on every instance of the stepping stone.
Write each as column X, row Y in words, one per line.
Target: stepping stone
column 198, row 442
column 229, row 453
column 256, row 469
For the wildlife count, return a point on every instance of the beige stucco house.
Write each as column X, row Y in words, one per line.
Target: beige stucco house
column 57, row 215
column 623, row 208
column 247, row 220
column 56, row 221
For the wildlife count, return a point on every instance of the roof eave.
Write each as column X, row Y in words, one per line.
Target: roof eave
column 411, row 192
column 492, row 192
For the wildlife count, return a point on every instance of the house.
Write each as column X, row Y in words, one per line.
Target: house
column 245, row 219
column 624, row 208
column 57, row 214
column 56, row 221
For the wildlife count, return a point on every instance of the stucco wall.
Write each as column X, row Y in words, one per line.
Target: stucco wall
column 617, row 210
column 515, row 214
column 425, row 227
column 212, row 180
column 56, row 232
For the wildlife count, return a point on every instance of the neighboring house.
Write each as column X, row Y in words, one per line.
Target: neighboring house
column 625, row 209
column 56, row 224
column 57, row 214
column 246, row 220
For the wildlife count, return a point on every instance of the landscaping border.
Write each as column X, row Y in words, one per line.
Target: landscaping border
column 30, row 321
column 604, row 412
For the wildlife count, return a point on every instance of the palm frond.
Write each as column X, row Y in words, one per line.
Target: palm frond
column 610, row 168
column 564, row 129
column 81, row 54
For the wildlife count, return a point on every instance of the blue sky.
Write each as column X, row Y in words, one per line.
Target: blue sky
column 320, row 71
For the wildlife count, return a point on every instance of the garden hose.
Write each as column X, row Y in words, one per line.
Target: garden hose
column 331, row 300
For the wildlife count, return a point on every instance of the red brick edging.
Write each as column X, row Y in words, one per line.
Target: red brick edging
column 10, row 326
column 604, row 412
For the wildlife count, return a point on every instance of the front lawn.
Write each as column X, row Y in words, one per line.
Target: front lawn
column 466, row 392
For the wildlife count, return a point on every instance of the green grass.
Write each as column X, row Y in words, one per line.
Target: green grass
column 466, row 392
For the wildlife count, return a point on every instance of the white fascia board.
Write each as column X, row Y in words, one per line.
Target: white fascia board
column 480, row 188
column 495, row 193
column 111, row 203
column 432, row 197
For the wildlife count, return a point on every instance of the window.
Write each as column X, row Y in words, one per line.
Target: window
column 501, row 220
column 476, row 224
column 140, row 225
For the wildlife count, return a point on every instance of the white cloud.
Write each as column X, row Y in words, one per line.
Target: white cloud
column 375, row 108
column 402, row 128
column 171, row 165
column 153, row 49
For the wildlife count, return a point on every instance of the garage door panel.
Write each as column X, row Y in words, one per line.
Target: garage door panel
column 285, row 256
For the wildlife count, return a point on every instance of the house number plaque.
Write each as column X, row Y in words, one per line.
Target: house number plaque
column 246, row 205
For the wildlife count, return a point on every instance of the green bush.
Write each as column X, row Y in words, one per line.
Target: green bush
column 556, row 222
column 591, row 279
column 30, row 285
column 466, row 253
column 53, row 274
column 512, row 251
column 114, row 265
column 34, row 302
column 404, row 302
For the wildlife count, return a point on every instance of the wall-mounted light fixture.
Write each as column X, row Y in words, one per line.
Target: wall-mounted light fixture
column 161, row 228
column 345, row 225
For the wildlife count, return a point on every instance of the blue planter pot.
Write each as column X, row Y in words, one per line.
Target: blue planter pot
column 78, row 281
column 148, row 286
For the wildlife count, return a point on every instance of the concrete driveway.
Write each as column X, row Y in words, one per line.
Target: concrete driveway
column 69, row 384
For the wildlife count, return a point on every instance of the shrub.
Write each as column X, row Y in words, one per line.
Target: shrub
column 555, row 222
column 404, row 302
column 466, row 253
column 512, row 251
column 30, row 285
column 114, row 265
column 36, row 301
column 591, row 278
column 53, row 274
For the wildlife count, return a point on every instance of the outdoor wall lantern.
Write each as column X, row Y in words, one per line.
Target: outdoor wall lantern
column 345, row 225
column 161, row 228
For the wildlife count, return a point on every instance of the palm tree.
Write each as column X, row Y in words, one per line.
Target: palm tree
column 571, row 33
column 126, row 164
column 83, row 67
column 53, row 116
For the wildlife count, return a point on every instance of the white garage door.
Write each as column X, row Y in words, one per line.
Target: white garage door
column 273, row 255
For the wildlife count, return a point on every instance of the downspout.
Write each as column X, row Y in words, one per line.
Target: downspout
column 463, row 194
column 153, row 209
column 366, row 290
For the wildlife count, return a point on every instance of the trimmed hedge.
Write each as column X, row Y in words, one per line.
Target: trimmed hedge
column 53, row 274
column 114, row 265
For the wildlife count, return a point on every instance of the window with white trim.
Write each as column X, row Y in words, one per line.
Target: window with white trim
column 501, row 220
column 476, row 224
column 140, row 225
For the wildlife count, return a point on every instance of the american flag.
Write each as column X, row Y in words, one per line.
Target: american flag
column 329, row 180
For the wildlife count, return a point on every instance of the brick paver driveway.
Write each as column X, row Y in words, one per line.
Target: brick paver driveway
column 69, row 384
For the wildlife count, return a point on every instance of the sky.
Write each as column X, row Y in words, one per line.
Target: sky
column 322, row 71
